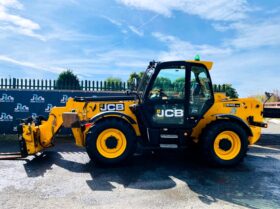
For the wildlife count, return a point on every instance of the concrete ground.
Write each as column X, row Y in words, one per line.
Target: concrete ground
column 63, row 177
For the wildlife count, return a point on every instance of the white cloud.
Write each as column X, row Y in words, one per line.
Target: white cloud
column 226, row 15
column 256, row 35
column 219, row 10
column 252, row 35
column 179, row 49
column 127, row 57
column 36, row 66
column 11, row 3
column 111, row 20
column 250, row 71
column 122, row 63
column 16, row 23
column 136, row 30
column 222, row 27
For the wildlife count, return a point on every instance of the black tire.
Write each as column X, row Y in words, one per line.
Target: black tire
column 208, row 138
column 98, row 128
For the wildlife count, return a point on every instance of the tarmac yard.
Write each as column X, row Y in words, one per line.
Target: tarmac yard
column 63, row 177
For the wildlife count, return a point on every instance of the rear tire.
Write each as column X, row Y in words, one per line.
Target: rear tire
column 110, row 141
column 224, row 143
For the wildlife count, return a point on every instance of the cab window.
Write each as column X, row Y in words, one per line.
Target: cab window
column 169, row 84
column 201, row 92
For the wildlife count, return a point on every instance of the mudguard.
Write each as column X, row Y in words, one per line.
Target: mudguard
column 112, row 113
column 237, row 119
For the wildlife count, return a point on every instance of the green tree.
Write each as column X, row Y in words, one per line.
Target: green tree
column 67, row 80
column 162, row 83
column 113, row 80
column 132, row 77
column 113, row 83
column 226, row 88
column 230, row 91
column 137, row 76
column 179, row 84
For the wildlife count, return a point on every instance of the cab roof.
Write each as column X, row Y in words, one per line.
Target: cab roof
column 208, row 64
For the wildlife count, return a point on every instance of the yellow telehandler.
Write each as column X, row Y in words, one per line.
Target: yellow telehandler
column 174, row 105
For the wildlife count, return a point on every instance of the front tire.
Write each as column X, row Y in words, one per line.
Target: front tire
column 110, row 141
column 224, row 143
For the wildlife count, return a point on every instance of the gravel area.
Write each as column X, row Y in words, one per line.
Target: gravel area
column 64, row 177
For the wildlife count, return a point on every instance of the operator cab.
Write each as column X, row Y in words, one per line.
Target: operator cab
column 174, row 96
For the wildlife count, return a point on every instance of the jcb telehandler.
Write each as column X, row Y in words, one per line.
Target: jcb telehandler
column 174, row 104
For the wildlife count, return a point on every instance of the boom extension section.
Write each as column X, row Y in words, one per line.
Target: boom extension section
column 79, row 114
column 38, row 133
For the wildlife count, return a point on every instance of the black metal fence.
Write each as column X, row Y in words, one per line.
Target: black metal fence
column 40, row 84
column 84, row 85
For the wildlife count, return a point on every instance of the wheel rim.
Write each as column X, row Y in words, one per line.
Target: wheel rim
column 111, row 143
column 227, row 145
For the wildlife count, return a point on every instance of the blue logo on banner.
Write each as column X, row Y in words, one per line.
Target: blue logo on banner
column 64, row 99
column 6, row 98
column 49, row 107
column 37, row 99
column 5, row 117
column 21, row 108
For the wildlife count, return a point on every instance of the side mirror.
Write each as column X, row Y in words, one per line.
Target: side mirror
column 268, row 96
column 133, row 86
column 135, row 83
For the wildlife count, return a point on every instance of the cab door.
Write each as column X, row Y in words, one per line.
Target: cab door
column 201, row 96
column 166, row 101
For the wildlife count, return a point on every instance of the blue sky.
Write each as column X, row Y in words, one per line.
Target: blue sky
column 97, row 39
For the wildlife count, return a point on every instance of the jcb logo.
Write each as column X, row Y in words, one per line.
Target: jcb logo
column 170, row 113
column 111, row 107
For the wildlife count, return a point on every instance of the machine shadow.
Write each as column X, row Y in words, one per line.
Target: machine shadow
column 244, row 185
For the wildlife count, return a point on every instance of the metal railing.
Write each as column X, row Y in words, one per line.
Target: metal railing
column 40, row 84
